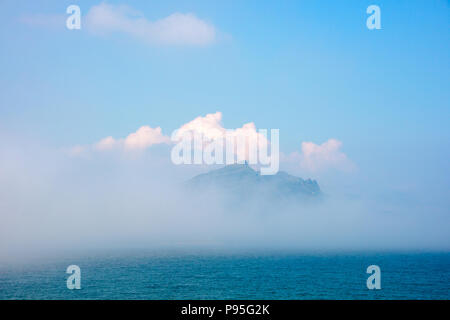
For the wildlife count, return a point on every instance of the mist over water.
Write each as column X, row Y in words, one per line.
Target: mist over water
column 52, row 203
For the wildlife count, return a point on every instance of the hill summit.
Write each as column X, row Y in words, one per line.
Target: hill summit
column 241, row 179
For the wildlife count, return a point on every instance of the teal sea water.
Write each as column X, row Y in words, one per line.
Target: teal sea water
column 243, row 276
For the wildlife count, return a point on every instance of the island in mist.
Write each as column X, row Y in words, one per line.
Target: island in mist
column 240, row 182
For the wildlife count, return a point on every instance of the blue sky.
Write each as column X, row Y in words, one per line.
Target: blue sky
column 310, row 68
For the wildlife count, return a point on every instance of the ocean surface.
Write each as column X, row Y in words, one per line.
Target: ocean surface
column 139, row 275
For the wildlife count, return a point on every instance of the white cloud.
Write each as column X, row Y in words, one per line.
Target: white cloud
column 142, row 139
column 315, row 158
column 211, row 128
column 176, row 29
column 145, row 137
column 106, row 144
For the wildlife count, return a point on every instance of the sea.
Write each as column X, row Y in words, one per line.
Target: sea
column 269, row 276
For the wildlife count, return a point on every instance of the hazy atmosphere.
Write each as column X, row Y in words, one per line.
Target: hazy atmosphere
column 87, row 116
